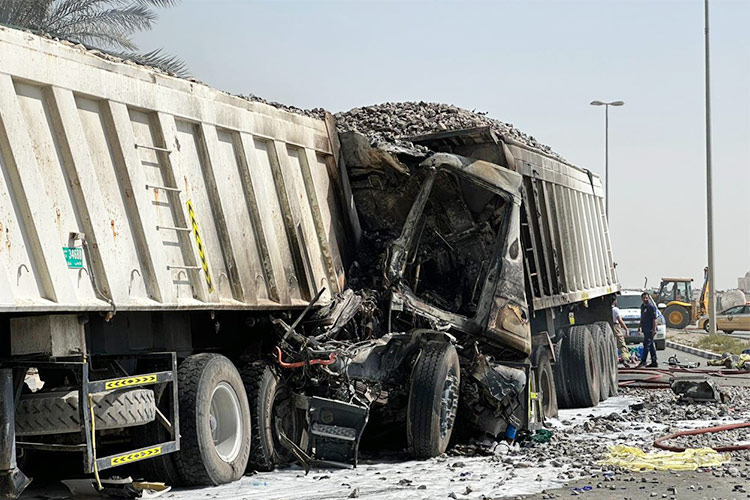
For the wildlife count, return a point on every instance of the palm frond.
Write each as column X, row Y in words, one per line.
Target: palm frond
column 158, row 59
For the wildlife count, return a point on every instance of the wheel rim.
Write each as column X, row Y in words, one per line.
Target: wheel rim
column 448, row 403
column 225, row 422
column 675, row 317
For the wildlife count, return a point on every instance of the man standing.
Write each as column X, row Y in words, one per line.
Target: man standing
column 648, row 327
column 620, row 327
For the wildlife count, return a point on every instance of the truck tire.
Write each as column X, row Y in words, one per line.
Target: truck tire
column 269, row 399
column 58, row 412
column 677, row 316
column 583, row 365
column 614, row 383
column 546, row 384
column 610, row 346
column 562, row 391
column 433, row 399
column 602, row 346
column 214, row 421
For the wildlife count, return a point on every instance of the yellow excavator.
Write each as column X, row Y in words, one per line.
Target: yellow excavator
column 674, row 299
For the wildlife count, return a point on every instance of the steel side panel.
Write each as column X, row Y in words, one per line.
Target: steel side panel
column 258, row 179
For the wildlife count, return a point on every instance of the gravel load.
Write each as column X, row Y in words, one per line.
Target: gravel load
column 395, row 121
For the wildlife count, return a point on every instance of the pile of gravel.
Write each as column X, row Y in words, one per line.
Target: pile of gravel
column 394, row 121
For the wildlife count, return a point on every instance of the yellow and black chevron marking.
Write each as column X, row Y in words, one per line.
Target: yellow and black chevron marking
column 138, row 455
column 199, row 244
column 130, row 381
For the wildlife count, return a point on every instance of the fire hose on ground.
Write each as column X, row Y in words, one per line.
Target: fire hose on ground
column 659, row 443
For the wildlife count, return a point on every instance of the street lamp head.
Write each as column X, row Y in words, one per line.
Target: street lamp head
column 597, row 103
column 616, row 103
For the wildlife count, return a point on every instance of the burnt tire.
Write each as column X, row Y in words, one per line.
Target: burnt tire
column 433, row 399
column 58, row 412
column 269, row 399
column 582, row 362
column 546, row 384
column 214, row 421
column 677, row 316
column 564, row 400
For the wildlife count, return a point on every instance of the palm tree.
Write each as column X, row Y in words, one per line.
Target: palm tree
column 104, row 24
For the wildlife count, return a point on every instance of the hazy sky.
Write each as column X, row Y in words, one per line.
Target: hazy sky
column 536, row 65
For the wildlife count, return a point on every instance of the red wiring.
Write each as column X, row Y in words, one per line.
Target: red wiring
column 299, row 364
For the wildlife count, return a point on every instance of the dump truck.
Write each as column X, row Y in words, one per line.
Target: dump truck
column 197, row 284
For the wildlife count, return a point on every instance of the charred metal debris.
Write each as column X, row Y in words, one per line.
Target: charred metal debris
column 418, row 293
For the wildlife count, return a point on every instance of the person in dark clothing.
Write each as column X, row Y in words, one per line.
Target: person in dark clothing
column 648, row 327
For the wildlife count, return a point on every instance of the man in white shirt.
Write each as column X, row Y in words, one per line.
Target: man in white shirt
column 620, row 328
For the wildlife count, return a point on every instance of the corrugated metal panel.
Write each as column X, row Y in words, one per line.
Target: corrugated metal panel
column 136, row 161
column 570, row 257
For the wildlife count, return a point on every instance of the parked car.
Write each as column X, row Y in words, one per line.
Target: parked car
column 733, row 319
column 629, row 303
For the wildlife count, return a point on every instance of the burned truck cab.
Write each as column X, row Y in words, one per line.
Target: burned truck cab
column 457, row 263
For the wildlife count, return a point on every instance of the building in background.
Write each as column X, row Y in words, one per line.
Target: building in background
column 744, row 283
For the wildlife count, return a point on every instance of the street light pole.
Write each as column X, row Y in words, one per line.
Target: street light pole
column 606, row 161
column 709, row 198
column 606, row 149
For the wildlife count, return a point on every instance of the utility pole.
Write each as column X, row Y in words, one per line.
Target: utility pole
column 709, row 198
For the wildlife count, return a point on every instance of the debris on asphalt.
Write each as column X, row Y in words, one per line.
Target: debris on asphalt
column 697, row 391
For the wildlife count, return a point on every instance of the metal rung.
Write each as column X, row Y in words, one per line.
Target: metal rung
column 153, row 148
column 163, row 188
column 172, row 228
column 184, row 267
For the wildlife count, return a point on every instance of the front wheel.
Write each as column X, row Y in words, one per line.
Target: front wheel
column 707, row 327
column 677, row 316
column 546, row 384
column 433, row 399
column 728, row 332
column 214, row 421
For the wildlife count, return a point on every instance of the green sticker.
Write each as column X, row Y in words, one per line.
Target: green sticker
column 74, row 257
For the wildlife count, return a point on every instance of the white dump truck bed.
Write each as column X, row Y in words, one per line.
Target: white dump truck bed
column 125, row 188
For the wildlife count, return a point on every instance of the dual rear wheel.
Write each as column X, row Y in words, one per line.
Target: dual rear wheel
column 586, row 368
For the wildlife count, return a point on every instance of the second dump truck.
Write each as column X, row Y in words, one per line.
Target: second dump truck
column 204, row 285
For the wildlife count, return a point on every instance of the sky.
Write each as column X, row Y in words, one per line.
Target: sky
column 537, row 65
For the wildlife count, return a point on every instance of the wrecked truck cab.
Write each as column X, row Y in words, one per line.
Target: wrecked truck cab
column 457, row 262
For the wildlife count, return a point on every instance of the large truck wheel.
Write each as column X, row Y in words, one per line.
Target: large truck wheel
column 583, row 363
column 602, row 348
column 546, row 384
column 433, row 399
column 564, row 400
column 677, row 316
column 613, row 382
column 270, row 401
column 58, row 412
column 214, row 421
